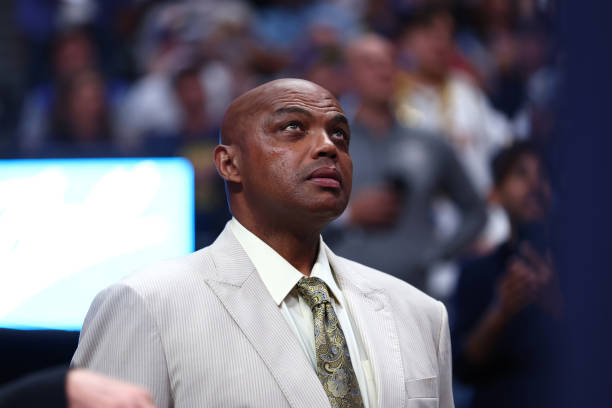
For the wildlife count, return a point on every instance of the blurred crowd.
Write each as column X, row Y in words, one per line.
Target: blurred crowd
column 450, row 103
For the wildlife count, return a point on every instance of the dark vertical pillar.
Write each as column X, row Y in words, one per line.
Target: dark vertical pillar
column 584, row 228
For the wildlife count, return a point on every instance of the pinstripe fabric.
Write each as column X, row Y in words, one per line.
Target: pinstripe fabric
column 405, row 332
column 190, row 330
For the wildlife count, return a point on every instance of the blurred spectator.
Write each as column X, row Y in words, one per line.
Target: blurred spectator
column 536, row 119
column 36, row 23
column 506, row 41
column 321, row 60
column 109, row 23
column 398, row 172
column 507, row 305
column 433, row 96
column 380, row 17
column 150, row 107
column 303, row 39
column 487, row 38
column 192, row 99
column 81, row 118
column 192, row 121
column 47, row 115
column 196, row 140
column 282, row 24
column 193, row 56
column 327, row 70
column 178, row 35
column 80, row 123
column 194, row 137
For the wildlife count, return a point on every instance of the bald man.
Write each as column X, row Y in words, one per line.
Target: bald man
column 400, row 175
column 268, row 315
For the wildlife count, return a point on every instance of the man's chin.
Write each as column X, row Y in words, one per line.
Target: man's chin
column 329, row 209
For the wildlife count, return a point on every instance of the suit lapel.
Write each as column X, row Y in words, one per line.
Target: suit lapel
column 371, row 311
column 247, row 300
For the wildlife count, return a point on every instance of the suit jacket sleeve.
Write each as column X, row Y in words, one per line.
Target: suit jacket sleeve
column 445, row 390
column 120, row 338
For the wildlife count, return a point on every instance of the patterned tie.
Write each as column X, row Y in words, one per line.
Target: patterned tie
column 334, row 367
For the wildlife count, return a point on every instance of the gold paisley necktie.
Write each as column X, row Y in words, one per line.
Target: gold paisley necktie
column 334, row 367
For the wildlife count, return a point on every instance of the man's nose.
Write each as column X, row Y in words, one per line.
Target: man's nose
column 325, row 146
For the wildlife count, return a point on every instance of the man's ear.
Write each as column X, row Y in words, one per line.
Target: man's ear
column 227, row 163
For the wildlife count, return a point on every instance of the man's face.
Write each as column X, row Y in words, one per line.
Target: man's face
column 295, row 158
column 525, row 192
column 372, row 70
column 432, row 45
column 190, row 94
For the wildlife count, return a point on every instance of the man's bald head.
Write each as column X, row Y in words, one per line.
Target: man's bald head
column 371, row 65
column 238, row 118
column 368, row 46
column 284, row 155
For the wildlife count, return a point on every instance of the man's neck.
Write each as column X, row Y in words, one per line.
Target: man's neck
column 299, row 248
column 429, row 78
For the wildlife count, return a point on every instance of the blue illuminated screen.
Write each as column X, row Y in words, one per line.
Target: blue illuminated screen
column 71, row 227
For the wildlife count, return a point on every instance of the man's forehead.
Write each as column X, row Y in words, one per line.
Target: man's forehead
column 287, row 97
column 273, row 97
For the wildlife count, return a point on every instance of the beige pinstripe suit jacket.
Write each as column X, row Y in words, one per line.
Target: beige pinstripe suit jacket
column 203, row 331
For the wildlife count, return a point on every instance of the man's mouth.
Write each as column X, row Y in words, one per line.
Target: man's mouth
column 326, row 177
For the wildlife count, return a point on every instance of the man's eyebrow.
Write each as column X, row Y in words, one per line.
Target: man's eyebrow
column 340, row 118
column 292, row 109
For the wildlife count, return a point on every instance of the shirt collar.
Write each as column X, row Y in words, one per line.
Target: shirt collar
column 278, row 275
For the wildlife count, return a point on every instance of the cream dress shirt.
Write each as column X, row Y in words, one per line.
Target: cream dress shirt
column 280, row 278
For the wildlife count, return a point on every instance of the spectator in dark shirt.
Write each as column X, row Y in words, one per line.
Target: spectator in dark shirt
column 507, row 303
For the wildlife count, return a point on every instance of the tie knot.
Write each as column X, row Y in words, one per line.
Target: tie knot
column 313, row 290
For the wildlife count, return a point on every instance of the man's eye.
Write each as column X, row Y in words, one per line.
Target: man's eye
column 293, row 126
column 341, row 133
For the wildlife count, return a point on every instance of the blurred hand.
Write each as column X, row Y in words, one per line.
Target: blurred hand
column 85, row 389
column 549, row 292
column 540, row 265
column 461, row 139
column 375, row 208
column 517, row 288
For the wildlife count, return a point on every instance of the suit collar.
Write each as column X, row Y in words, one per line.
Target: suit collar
column 349, row 276
column 231, row 263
